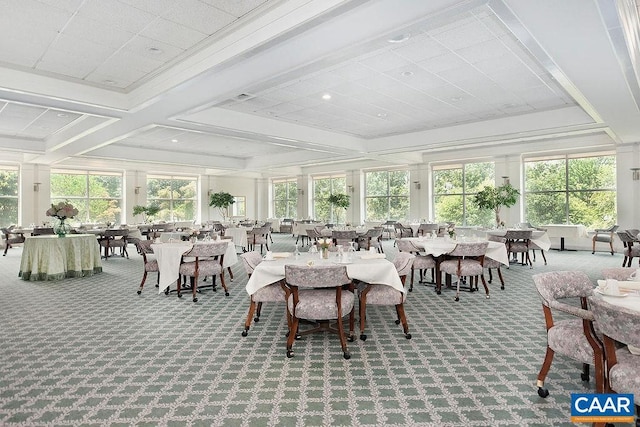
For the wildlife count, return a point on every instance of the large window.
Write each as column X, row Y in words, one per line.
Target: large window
column 96, row 195
column 387, row 195
column 285, row 198
column 323, row 187
column 454, row 188
column 8, row 196
column 572, row 189
column 176, row 196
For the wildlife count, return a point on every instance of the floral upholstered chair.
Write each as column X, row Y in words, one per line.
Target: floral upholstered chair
column 422, row 263
column 619, row 325
column 618, row 273
column 150, row 263
column 371, row 239
column 519, row 242
column 630, row 251
column 207, row 261
column 377, row 294
column 115, row 238
column 573, row 337
column 317, row 294
column 270, row 293
column 467, row 261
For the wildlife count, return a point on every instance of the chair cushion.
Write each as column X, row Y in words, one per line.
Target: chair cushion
column 491, row 263
column 567, row 337
column 602, row 238
column 320, row 304
column 625, row 375
column 468, row 267
column 383, row 295
column 271, row 293
column 151, row 265
column 421, row 262
column 205, row 268
column 518, row 247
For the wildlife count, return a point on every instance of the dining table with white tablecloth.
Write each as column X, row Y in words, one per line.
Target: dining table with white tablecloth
column 50, row 257
column 169, row 256
column 238, row 235
column 538, row 237
column 441, row 246
column 364, row 266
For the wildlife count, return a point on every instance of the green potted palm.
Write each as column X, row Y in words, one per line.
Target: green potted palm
column 495, row 198
column 222, row 200
column 339, row 201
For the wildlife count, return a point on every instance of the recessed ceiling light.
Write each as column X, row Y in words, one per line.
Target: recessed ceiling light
column 109, row 82
column 407, row 73
column 399, row 38
column 155, row 50
column 174, row 140
column 382, row 115
column 456, row 98
column 326, row 96
column 62, row 115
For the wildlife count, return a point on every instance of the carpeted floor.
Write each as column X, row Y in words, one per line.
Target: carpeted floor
column 90, row 351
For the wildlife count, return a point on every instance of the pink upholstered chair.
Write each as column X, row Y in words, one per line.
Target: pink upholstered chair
column 150, row 263
column 317, row 294
column 271, row 293
column 377, row 294
column 467, row 261
column 208, row 259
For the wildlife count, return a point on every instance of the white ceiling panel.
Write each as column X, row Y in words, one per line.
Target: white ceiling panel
column 228, row 79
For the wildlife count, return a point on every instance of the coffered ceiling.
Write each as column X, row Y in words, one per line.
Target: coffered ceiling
column 268, row 87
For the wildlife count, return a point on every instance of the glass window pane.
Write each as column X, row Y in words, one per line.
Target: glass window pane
column 8, row 183
column 377, row 208
column 545, row 175
column 68, row 185
column 104, row 210
column 377, row 183
column 8, row 211
column 594, row 209
column 447, row 181
column 545, row 208
column 477, row 176
column 448, row 208
column 592, row 173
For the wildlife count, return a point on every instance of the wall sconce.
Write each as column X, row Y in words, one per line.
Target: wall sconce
column 36, row 186
column 137, row 190
column 350, row 188
column 417, row 185
column 209, row 192
column 505, row 180
column 300, row 192
column 635, row 174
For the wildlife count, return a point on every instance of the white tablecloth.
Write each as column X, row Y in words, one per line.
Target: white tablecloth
column 539, row 237
column 564, row 230
column 52, row 258
column 375, row 271
column 165, row 236
column 239, row 235
column 275, row 224
column 440, row 246
column 170, row 254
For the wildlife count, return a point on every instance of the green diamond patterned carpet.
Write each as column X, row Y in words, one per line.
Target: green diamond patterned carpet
column 90, row 351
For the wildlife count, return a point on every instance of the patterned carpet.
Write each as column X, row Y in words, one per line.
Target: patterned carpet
column 89, row 351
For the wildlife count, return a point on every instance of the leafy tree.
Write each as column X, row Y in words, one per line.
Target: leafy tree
column 339, row 201
column 494, row 198
column 222, row 201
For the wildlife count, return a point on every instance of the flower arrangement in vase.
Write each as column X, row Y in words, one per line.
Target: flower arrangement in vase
column 324, row 245
column 62, row 211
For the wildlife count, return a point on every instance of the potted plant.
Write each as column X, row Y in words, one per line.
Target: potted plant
column 222, row 201
column 146, row 211
column 495, row 197
column 339, row 201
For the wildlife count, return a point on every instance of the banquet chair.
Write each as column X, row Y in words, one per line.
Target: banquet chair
column 467, row 261
column 420, row 262
column 378, row 294
column 572, row 337
column 490, row 264
column 618, row 273
column 619, row 325
column 402, row 231
column 116, row 238
column 518, row 242
column 286, row 225
column 317, row 294
column 208, row 261
column 603, row 235
column 313, row 234
column 258, row 236
column 426, row 229
column 630, row 251
column 43, row 231
column 371, row 239
column 344, row 238
column 149, row 264
column 11, row 238
column 274, row 292
column 534, row 247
